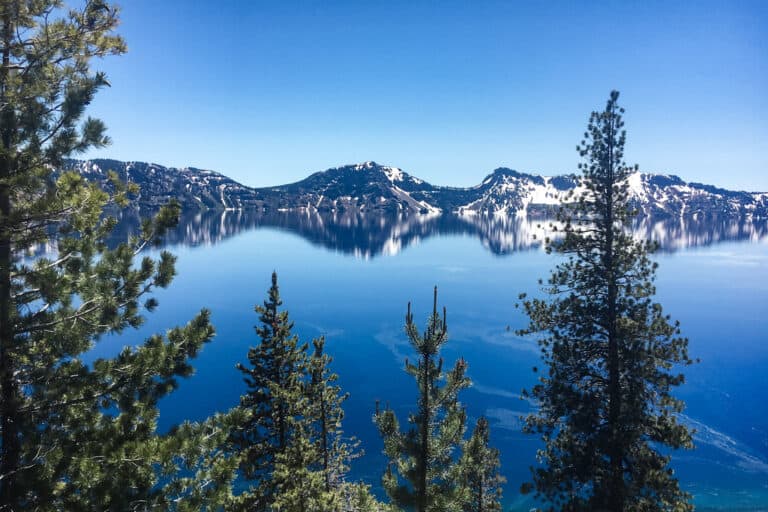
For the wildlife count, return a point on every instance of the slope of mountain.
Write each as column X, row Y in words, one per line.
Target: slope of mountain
column 370, row 187
column 366, row 187
column 193, row 188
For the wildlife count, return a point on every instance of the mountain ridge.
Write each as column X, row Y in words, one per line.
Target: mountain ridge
column 369, row 186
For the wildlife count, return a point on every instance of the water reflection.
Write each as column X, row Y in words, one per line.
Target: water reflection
column 369, row 235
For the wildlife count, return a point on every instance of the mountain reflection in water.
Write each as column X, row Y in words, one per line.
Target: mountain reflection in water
column 366, row 235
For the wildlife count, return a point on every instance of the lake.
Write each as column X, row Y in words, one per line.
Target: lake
column 350, row 277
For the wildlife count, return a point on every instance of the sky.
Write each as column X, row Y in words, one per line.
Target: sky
column 269, row 92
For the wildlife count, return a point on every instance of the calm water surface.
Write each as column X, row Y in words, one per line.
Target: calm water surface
column 352, row 282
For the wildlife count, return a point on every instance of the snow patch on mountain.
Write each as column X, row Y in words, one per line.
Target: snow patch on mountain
column 393, row 173
column 368, row 186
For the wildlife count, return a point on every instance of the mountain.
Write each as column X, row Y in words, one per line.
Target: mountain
column 193, row 188
column 370, row 187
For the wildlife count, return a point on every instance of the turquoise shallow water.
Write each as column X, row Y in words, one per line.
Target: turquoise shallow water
column 719, row 293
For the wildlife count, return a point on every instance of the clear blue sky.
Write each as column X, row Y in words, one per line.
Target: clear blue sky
column 267, row 92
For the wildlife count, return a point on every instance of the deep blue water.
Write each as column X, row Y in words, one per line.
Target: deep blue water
column 357, row 297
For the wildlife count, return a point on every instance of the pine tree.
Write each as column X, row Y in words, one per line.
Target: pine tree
column 197, row 467
column 29, row 87
column 326, row 402
column 74, row 436
column 357, row 497
column 299, row 487
column 292, row 443
column 422, row 474
column 606, row 403
column 479, row 467
column 276, row 379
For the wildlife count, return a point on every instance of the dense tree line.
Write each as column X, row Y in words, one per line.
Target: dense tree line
column 83, row 436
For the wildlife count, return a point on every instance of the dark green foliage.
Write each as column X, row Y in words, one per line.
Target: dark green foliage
column 299, row 485
column 275, row 399
column 358, row 498
column 326, row 411
column 76, row 436
column 423, row 473
column 198, row 465
column 480, row 479
column 291, row 441
column 605, row 404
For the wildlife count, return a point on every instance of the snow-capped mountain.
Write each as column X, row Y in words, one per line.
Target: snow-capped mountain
column 193, row 188
column 366, row 187
column 370, row 187
column 668, row 195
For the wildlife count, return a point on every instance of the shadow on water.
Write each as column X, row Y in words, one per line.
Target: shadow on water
column 366, row 235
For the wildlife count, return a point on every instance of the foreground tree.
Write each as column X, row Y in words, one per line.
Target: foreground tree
column 275, row 398
column 326, row 407
column 309, row 475
column 423, row 473
column 606, row 407
column 74, row 436
column 292, row 443
column 299, row 485
column 479, row 467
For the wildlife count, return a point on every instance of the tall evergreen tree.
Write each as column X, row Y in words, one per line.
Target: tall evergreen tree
column 292, row 443
column 40, row 103
column 73, row 436
column 299, row 485
column 606, row 403
column 276, row 379
column 479, row 468
column 422, row 473
column 326, row 402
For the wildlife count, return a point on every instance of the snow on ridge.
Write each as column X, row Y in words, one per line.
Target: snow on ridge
column 370, row 164
column 546, row 194
column 503, row 192
column 410, row 201
column 518, row 192
column 636, row 186
column 393, row 174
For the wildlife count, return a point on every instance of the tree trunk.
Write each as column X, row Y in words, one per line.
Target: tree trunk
column 324, row 440
column 421, row 499
column 480, row 494
column 10, row 449
column 615, row 451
